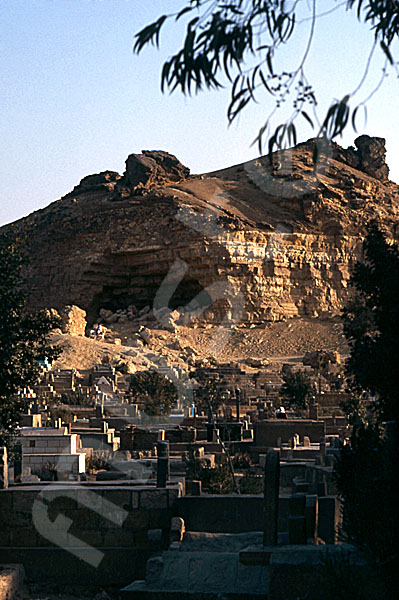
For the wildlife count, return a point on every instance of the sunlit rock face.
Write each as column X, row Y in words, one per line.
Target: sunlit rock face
column 265, row 240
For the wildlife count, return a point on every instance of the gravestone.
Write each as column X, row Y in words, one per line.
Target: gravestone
column 271, row 491
column 297, row 529
column 162, row 463
column 196, row 487
column 311, row 518
column 18, row 463
column 313, row 410
column 322, row 450
column 3, row 469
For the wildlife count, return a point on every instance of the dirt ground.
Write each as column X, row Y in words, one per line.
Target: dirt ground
column 275, row 342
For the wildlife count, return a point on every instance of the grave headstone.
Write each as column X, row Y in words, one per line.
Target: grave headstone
column 297, row 530
column 329, row 460
column 296, row 505
column 18, row 463
column 271, row 492
column 322, row 450
column 321, row 488
column 311, row 518
column 162, row 463
column 196, row 487
column 314, row 411
column 3, row 468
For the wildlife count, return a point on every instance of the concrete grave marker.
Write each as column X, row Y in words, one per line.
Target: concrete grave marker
column 271, row 492
column 3, row 468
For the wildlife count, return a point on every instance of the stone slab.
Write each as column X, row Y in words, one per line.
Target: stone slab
column 11, row 580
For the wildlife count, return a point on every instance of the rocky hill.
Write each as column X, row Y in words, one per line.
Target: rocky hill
column 261, row 241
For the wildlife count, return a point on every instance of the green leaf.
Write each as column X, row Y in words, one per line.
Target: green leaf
column 387, row 51
column 308, row 119
column 184, row 11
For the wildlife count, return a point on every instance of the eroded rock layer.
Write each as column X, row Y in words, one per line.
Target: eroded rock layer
column 264, row 240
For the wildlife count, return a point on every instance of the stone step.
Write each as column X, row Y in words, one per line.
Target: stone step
column 203, row 566
column 138, row 591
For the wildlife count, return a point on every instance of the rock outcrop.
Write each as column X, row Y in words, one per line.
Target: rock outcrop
column 105, row 181
column 369, row 156
column 73, row 320
column 252, row 243
column 144, row 172
column 153, row 168
column 372, row 155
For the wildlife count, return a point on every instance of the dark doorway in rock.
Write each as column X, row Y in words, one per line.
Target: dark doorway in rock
column 187, row 291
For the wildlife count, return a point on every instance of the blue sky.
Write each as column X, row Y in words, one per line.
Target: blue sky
column 75, row 100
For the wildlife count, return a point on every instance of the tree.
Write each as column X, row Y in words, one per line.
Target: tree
column 297, row 388
column 371, row 324
column 156, row 391
column 23, row 339
column 367, row 470
column 215, row 480
column 242, row 41
column 209, row 395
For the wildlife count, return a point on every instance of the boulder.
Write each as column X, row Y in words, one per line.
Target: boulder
column 372, row 154
column 145, row 334
column 73, row 320
column 153, row 168
column 257, row 362
column 321, row 358
column 168, row 324
column 104, row 181
column 112, row 318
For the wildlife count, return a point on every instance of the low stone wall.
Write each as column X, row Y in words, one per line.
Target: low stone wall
column 227, row 514
column 86, row 533
column 64, row 463
column 269, row 431
column 241, row 514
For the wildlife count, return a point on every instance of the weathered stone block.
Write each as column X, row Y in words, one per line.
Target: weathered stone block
column 156, row 498
column 119, row 537
column 23, row 537
column 11, row 519
column 122, row 498
column 160, row 519
column 23, row 499
column 73, row 320
column 137, row 520
column 11, row 581
column 3, row 468
column 6, row 497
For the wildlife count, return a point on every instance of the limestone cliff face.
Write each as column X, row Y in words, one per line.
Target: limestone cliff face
column 265, row 240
